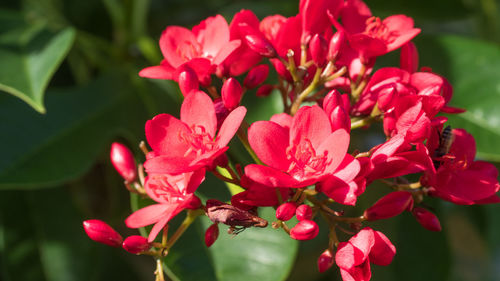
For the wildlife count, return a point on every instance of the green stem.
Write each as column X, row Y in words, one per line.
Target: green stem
column 296, row 104
column 191, row 216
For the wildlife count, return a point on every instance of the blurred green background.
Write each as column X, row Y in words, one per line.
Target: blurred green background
column 69, row 87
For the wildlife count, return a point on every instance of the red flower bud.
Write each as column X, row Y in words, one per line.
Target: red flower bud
column 188, row 81
column 325, row 261
column 211, row 234
column 221, row 112
column 136, row 244
column 193, row 203
column 427, row 219
column 318, row 48
column 256, row 76
column 304, row 230
column 231, row 93
column 101, row 232
column 335, row 45
column 260, row 45
column 389, row 206
column 303, row 212
column 409, row 57
column 286, row 211
column 123, row 161
column 264, row 90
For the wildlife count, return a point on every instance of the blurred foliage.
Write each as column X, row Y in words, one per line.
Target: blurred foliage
column 77, row 61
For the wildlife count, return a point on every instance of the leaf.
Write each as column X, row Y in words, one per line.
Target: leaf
column 30, row 55
column 45, row 150
column 473, row 68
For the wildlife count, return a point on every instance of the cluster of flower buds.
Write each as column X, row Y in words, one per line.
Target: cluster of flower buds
column 325, row 56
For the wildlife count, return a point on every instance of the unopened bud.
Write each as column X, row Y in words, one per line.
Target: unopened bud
column 211, row 234
column 136, row 244
column 101, row 232
column 389, row 206
column 319, row 49
column 286, row 211
column 264, row 90
column 335, row 45
column 221, row 112
column 409, row 57
column 260, row 45
column 123, row 161
column 256, row 76
column 231, row 93
column 427, row 219
column 188, row 81
column 303, row 212
column 193, row 203
column 304, row 230
column 325, row 261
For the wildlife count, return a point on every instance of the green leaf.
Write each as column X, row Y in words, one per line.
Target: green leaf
column 45, row 150
column 473, row 68
column 255, row 254
column 30, row 55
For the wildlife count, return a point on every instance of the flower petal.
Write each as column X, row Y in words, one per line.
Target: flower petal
column 147, row 215
column 230, row 125
column 335, row 146
column 198, row 110
column 162, row 134
column 269, row 141
column 312, row 123
column 269, row 176
column 173, row 39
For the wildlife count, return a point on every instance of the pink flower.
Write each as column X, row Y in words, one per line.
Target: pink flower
column 300, row 156
column 184, row 145
column 370, row 35
column 173, row 193
column 314, row 16
column 206, row 45
column 368, row 246
column 459, row 178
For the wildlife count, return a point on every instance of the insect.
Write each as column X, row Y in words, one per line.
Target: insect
column 237, row 219
column 446, row 138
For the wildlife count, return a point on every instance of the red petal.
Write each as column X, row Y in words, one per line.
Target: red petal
column 336, row 145
column 269, row 176
column 213, row 34
column 269, row 141
column 170, row 165
column 383, row 251
column 198, row 110
column 174, row 38
column 312, row 123
column 147, row 215
column 158, row 72
column 162, row 134
column 157, row 228
column 231, row 125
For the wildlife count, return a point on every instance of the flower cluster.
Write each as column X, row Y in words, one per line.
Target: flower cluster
column 325, row 61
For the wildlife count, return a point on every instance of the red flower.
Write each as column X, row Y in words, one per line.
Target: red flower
column 205, row 45
column 184, row 145
column 173, row 193
column 300, row 156
column 459, row 178
column 354, row 257
column 314, row 16
column 371, row 36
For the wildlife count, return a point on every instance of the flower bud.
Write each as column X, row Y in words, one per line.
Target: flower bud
column 318, row 48
column 211, row 234
column 260, row 45
column 188, row 81
column 389, row 206
column 286, row 211
column 136, row 244
column 304, row 230
column 256, row 76
column 231, row 93
column 123, row 161
column 409, row 57
column 427, row 219
column 335, row 45
column 193, row 203
column 101, row 232
column 264, row 90
column 303, row 212
column 221, row 112
column 325, row 261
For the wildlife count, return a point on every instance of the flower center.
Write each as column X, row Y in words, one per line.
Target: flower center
column 199, row 141
column 304, row 161
column 167, row 187
column 376, row 28
column 188, row 50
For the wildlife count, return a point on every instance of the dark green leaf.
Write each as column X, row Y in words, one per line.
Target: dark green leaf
column 473, row 68
column 30, row 54
column 44, row 150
